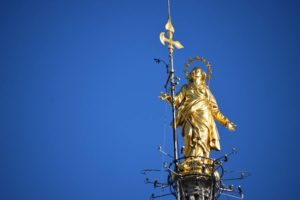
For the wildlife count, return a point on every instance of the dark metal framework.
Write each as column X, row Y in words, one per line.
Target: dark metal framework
column 199, row 186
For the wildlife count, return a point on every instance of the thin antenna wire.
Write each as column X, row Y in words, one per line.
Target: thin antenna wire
column 164, row 141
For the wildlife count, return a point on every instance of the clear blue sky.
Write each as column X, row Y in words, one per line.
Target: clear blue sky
column 79, row 113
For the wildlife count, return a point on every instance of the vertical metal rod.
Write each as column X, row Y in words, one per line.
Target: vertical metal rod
column 169, row 9
column 174, row 126
column 212, row 190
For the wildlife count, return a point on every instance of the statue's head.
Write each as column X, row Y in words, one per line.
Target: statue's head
column 197, row 73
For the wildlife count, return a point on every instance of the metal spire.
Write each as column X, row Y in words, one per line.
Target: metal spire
column 195, row 176
column 171, row 43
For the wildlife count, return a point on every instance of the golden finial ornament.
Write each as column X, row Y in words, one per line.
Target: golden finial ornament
column 169, row 27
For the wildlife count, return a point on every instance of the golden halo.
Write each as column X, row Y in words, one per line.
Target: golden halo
column 197, row 58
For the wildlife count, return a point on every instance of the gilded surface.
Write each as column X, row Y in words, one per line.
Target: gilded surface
column 197, row 111
column 169, row 27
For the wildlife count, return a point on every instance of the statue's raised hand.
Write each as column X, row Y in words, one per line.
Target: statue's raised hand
column 163, row 96
column 231, row 126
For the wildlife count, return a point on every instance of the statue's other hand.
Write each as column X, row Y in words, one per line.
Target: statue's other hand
column 231, row 126
column 164, row 96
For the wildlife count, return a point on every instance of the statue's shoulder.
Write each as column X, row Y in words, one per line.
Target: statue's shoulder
column 207, row 89
column 185, row 87
column 204, row 86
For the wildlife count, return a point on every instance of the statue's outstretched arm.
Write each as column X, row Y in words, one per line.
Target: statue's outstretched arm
column 217, row 113
column 178, row 98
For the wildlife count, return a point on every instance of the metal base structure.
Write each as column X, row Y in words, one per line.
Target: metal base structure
column 197, row 187
column 203, row 182
column 196, row 178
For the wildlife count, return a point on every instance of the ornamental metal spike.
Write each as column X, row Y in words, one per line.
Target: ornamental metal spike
column 170, row 28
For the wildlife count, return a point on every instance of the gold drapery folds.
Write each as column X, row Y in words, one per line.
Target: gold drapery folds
column 197, row 111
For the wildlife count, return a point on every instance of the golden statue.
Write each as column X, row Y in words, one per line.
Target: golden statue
column 197, row 111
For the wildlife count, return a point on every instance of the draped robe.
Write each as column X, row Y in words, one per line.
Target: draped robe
column 197, row 111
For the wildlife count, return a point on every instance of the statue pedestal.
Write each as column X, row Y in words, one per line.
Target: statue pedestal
column 197, row 187
column 197, row 178
column 197, row 165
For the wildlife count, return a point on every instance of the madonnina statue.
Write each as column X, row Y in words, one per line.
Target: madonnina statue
column 197, row 111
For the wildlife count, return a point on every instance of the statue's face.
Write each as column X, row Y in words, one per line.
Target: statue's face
column 196, row 74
